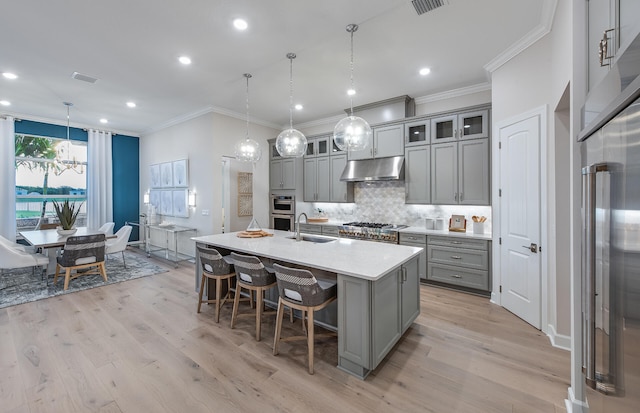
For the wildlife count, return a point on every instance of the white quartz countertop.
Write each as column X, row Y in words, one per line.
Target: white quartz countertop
column 446, row 232
column 361, row 259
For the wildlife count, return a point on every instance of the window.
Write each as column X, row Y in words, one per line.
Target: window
column 48, row 169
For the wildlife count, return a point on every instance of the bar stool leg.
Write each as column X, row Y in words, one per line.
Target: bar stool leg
column 200, row 293
column 259, row 308
column 236, row 303
column 310, row 339
column 218, row 295
column 276, row 339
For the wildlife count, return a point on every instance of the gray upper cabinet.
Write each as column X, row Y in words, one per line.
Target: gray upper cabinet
column 417, row 174
column 386, row 141
column 318, row 146
column 417, row 133
column 316, row 180
column 466, row 125
column 460, row 173
column 474, row 172
column 283, row 173
column 340, row 191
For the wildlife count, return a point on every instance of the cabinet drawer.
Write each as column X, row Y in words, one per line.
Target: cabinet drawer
column 475, row 259
column 458, row 242
column 330, row 230
column 413, row 238
column 311, row 228
column 458, row 276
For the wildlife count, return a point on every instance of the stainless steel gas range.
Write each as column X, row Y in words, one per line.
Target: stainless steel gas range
column 371, row 231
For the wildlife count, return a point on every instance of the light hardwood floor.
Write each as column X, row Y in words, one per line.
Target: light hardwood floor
column 139, row 346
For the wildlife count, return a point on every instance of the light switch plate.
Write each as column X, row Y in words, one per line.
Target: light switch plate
column 205, row 212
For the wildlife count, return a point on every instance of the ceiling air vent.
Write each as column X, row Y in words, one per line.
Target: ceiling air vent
column 84, row 78
column 423, row 6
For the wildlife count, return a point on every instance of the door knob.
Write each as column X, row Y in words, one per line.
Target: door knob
column 533, row 248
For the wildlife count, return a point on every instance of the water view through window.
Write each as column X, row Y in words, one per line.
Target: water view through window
column 48, row 169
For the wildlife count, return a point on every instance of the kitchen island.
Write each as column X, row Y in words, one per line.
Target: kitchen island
column 378, row 287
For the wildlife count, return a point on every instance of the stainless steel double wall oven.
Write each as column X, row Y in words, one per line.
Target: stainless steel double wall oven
column 282, row 209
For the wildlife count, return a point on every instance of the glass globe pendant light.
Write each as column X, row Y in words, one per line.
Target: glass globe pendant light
column 352, row 133
column 291, row 143
column 248, row 150
column 63, row 160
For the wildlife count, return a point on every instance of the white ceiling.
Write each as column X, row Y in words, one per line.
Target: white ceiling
column 132, row 48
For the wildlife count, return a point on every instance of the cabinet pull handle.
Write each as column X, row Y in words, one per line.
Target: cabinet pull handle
column 455, row 196
column 456, row 257
column 460, row 196
column 456, row 276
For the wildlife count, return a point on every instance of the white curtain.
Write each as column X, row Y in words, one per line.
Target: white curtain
column 99, row 179
column 7, row 178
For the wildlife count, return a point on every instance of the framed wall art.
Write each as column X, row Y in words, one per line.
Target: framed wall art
column 166, row 202
column 180, row 199
column 154, row 176
column 154, row 199
column 166, row 175
column 180, row 173
column 245, row 205
column 245, row 182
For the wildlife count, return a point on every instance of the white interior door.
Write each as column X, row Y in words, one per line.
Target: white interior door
column 520, row 219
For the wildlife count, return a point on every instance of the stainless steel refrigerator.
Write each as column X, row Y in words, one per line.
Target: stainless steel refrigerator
column 610, row 152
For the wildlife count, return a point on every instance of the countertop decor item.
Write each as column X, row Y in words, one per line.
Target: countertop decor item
column 248, row 150
column 352, row 133
column 67, row 213
column 291, row 143
column 254, row 234
column 458, row 223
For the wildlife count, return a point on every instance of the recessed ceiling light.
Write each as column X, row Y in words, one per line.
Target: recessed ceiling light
column 10, row 75
column 351, row 92
column 299, row 107
column 131, row 104
column 103, row 120
column 240, row 24
column 425, row 71
column 5, row 102
column 184, row 60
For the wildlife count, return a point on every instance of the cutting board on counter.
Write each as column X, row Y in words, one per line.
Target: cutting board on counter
column 318, row 220
column 254, row 234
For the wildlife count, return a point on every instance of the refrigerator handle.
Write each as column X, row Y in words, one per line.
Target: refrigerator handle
column 589, row 270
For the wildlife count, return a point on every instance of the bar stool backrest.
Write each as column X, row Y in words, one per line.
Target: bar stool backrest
column 299, row 286
column 251, row 270
column 212, row 262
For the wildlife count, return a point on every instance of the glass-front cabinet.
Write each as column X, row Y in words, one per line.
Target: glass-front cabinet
column 318, row 146
column 469, row 125
column 417, row 133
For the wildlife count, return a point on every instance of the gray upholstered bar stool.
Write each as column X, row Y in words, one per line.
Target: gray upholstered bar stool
column 214, row 267
column 299, row 289
column 252, row 276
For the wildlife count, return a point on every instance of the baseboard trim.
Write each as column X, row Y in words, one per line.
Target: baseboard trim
column 572, row 405
column 558, row 340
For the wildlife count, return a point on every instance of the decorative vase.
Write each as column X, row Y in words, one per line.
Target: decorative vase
column 65, row 232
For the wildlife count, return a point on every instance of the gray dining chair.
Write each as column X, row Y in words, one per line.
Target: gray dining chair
column 79, row 253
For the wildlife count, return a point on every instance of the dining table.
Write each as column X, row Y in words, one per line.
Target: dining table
column 51, row 242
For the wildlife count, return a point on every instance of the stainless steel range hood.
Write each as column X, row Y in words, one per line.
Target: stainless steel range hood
column 379, row 169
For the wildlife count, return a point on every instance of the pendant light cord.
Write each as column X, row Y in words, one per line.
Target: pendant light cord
column 247, row 76
column 352, row 88
column 291, row 56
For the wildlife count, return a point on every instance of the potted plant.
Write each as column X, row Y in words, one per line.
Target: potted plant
column 67, row 213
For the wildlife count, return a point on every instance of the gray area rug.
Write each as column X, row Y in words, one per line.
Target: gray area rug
column 23, row 285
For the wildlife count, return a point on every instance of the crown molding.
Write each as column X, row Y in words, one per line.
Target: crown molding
column 319, row 122
column 19, row 116
column 209, row 109
column 538, row 32
column 454, row 93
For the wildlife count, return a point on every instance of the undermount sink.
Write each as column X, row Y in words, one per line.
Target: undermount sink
column 316, row 240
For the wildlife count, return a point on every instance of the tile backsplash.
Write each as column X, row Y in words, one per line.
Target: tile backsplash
column 383, row 201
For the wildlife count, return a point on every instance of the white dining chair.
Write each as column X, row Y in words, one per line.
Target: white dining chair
column 119, row 244
column 19, row 247
column 11, row 258
column 107, row 228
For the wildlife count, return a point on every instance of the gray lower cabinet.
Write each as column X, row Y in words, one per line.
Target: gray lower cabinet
column 459, row 262
column 331, row 230
column 417, row 174
column 374, row 316
column 417, row 240
column 311, row 229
